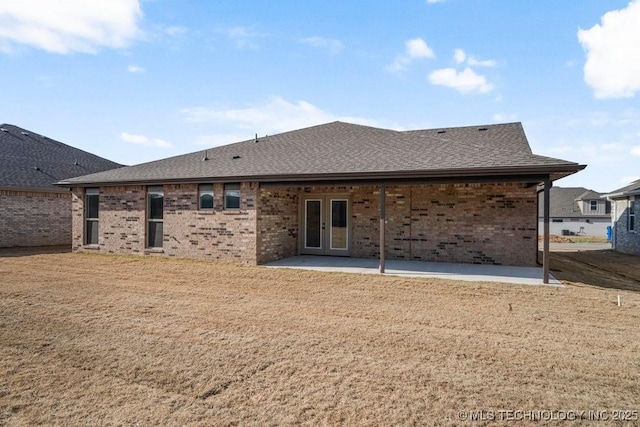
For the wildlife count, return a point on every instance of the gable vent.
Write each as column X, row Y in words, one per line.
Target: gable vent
column 481, row 129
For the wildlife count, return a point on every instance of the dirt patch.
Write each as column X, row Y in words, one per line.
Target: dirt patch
column 604, row 268
column 34, row 250
column 91, row 339
column 553, row 238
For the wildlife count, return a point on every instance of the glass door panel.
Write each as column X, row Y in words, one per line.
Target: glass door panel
column 339, row 235
column 313, row 224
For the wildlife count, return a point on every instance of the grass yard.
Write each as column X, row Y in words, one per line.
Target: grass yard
column 91, row 339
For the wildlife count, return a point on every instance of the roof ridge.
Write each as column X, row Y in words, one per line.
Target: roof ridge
column 465, row 127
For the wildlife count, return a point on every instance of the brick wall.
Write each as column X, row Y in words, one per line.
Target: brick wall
column 121, row 228
column 474, row 223
column 218, row 235
column 277, row 226
column 470, row 223
column 625, row 241
column 187, row 232
column 30, row 218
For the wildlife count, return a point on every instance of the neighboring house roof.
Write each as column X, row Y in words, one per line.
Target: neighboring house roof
column 589, row 195
column 626, row 191
column 347, row 151
column 32, row 161
column 563, row 202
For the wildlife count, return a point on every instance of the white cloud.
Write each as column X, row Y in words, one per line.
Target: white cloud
column 414, row 49
column 635, row 151
column 481, row 63
column 332, row 45
column 466, row 81
column 244, row 37
column 277, row 115
column 435, row 1
column 144, row 140
column 459, row 56
column 135, row 69
column 69, row 26
column 418, row 48
column 612, row 68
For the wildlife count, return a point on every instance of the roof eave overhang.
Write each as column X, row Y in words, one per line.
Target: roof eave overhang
column 621, row 195
column 523, row 173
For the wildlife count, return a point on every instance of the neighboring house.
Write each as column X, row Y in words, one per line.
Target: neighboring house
column 464, row 195
column 624, row 215
column 576, row 211
column 34, row 212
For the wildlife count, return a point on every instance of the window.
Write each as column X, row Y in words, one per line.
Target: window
column 155, row 205
column 205, row 197
column 632, row 215
column 232, row 196
column 593, row 205
column 92, row 207
column 556, row 220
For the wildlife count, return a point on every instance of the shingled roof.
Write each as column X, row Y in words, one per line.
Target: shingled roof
column 32, row 161
column 347, row 151
column 589, row 195
column 626, row 191
column 563, row 202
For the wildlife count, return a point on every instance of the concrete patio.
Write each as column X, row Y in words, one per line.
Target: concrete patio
column 467, row 272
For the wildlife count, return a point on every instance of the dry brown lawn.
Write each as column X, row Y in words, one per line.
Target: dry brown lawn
column 91, row 339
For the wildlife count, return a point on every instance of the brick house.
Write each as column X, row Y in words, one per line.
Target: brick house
column 576, row 211
column 34, row 212
column 624, row 216
column 465, row 195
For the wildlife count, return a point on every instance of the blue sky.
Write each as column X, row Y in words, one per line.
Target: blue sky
column 135, row 81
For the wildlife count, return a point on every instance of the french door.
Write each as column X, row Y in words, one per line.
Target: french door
column 325, row 225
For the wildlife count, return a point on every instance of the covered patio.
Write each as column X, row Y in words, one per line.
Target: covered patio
column 440, row 270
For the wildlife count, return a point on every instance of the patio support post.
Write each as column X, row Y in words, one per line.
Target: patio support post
column 545, row 238
column 382, row 226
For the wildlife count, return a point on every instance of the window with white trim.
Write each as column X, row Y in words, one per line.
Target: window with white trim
column 205, row 197
column 632, row 214
column 155, row 212
column 593, row 205
column 91, row 215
